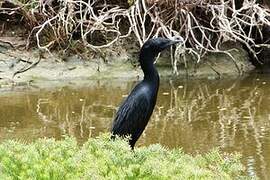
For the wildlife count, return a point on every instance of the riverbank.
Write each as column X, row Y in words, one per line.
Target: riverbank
column 23, row 67
column 63, row 45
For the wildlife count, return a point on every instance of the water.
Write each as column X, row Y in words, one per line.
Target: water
column 196, row 115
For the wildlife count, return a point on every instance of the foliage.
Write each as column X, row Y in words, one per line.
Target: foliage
column 101, row 158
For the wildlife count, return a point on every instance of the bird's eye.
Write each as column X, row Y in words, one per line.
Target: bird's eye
column 178, row 38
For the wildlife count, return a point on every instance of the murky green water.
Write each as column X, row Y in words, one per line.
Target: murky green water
column 196, row 115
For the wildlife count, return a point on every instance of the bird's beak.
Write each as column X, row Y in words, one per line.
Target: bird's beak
column 176, row 40
column 171, row 41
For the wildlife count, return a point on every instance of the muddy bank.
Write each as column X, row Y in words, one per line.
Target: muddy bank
column 20, row 67
column 115, row 45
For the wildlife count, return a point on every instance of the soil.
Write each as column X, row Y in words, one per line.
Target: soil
column 54, row 68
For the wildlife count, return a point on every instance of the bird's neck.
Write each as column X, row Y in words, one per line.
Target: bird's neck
column 151, row 73
column 146, row 61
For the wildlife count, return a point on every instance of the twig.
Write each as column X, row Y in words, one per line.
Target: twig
column 27, row 68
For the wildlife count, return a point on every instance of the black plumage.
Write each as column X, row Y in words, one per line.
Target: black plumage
column 135, row 112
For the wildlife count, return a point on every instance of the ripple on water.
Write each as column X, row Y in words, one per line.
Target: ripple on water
column 196, row 115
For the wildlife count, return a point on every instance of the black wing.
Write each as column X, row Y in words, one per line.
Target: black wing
column 132, row 117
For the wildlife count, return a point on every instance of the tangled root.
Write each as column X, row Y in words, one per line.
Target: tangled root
column 204, row 24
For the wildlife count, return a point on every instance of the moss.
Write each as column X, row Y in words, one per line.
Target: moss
column 100, row 158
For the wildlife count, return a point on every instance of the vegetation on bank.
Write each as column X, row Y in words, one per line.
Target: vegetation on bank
column 101, row 158
column 95, row 24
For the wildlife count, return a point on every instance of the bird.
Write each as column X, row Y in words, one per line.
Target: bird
column 135, row 111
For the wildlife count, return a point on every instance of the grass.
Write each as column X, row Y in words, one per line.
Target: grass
column 100, row 158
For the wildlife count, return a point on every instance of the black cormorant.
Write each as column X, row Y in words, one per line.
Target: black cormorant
column 135, row 112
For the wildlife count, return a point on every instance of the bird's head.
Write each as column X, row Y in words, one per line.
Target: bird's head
column 154, row 46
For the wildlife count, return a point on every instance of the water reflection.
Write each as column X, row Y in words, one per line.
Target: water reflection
column 196, row 115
